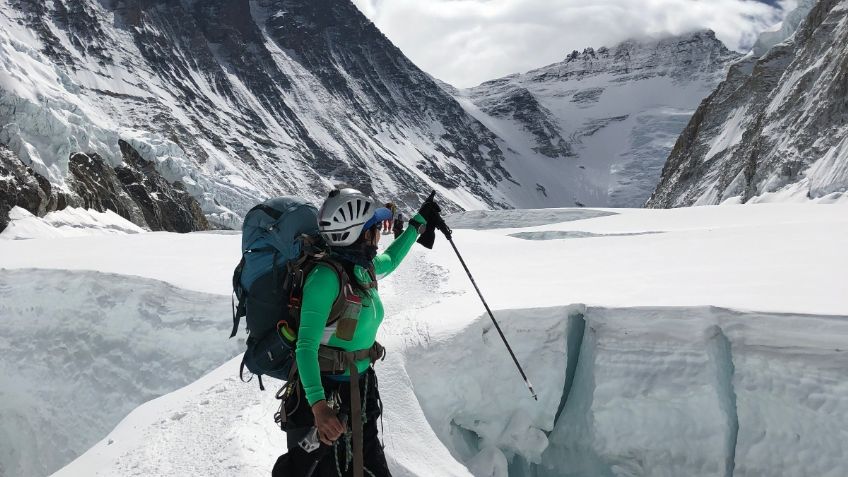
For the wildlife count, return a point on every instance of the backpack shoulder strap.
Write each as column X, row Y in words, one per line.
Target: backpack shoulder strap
column 373, row 274
column 344, row 282
column 305, row 266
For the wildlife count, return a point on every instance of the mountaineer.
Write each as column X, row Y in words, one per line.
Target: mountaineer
column 335, row 393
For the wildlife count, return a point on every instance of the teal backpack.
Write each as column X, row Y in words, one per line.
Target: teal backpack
column 280, row 245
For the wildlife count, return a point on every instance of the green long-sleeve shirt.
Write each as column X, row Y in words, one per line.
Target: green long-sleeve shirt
column 319, row 293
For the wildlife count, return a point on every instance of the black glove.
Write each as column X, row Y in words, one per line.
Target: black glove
column 428, row 237
column 431, row 212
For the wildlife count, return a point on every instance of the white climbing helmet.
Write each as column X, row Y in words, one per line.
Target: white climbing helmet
column 346, row 214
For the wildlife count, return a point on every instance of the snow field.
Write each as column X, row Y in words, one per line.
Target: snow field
column 703, row 348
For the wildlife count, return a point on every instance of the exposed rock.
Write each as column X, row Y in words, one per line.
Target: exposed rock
column 520, row 105
column 95, row 185
column 134, row 190
column 165, row 206
column 19, row 187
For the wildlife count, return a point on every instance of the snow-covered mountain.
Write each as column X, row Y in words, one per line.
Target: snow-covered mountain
column 161, row 109
column 649, row 357
column 777, row 127
column 596, row 128
column 182, row 115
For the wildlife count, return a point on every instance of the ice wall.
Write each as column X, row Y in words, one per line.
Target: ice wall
column 80, row 350
column 643, row 392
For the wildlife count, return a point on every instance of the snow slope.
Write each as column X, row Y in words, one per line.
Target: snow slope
column 704, row 341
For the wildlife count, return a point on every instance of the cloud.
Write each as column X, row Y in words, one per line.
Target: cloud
column 466, row 42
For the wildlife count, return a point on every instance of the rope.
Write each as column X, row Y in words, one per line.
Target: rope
column 348, row 454
column 365, row 400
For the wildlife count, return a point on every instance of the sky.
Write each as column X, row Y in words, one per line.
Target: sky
column 466, row 42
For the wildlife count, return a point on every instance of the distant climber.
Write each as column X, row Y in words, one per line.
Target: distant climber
column 387, row 224
column 335, row 392
column 397, row 228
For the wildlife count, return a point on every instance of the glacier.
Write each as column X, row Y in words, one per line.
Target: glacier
column 713, row 345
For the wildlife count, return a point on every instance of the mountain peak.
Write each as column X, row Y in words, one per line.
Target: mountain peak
column 679, row 56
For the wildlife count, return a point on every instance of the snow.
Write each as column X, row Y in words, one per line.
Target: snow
column 69, row 222
column 698, row 341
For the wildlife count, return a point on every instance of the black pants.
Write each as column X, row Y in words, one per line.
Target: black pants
column 297, row 462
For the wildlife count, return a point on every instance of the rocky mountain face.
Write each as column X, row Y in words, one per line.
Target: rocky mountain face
column 775, row 129
column 134, row 189
column 596, row 128
column 175, row 113
column 20, row 186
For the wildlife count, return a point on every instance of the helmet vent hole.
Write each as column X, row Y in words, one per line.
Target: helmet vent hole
column 350, row 209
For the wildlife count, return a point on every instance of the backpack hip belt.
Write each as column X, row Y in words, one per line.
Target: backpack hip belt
column 334, row 360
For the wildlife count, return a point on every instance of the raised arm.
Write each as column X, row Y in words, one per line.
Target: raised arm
column 386, row 262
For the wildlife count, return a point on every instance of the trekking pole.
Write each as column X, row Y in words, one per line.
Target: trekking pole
column 448, row 233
